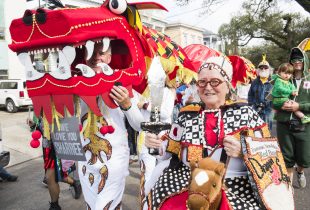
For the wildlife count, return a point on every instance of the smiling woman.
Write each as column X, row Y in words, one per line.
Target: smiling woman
column 211, row 130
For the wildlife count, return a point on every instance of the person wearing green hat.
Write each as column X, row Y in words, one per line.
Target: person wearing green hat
column 292, row 134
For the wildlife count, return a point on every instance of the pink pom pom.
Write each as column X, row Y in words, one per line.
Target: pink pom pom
column 34, row 143
column 104, row 130
column 111, row 129
column 36, row 134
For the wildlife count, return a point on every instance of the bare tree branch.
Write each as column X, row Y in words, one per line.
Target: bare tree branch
column 305, row 4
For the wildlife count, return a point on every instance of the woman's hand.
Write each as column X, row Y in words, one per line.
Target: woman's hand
column 152, row 140
column 121, row 95
column 291, row 106
column 232, row 146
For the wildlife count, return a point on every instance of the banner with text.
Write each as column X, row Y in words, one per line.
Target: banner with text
column 67, row 141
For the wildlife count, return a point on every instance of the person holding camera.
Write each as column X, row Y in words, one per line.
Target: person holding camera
column 259, row 90
column 292, row 134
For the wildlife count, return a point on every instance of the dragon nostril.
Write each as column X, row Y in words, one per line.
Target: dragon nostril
column 41, row 16
column 27, row 18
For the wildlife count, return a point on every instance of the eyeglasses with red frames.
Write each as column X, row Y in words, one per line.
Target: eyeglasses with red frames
column 213, row 83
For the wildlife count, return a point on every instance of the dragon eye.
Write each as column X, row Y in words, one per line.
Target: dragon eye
column 118, row 6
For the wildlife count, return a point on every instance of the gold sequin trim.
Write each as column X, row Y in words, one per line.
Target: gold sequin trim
column 77, row 26
column 194, row 153
column 191, row 108
column 174, row 147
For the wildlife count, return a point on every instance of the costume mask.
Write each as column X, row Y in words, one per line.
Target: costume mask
column 264, row 74
column 54, row 45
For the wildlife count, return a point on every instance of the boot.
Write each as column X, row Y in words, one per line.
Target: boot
column 54, row 206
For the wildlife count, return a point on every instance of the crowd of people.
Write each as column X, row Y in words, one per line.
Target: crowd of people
column 200, row 118
column 199, row 115
column 202, row 159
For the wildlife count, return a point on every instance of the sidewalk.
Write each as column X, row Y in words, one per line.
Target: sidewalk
column 29, row 194
column 16, row 137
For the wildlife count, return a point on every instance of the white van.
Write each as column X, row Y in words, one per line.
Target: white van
column 13, row 94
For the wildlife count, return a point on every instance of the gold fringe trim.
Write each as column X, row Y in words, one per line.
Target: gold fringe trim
column 174, row 147
column 265, row 131
column 91, row 127
column 238, row 134
column 184, row 74
column 77, row 103
column 140, row 141
column 148, row 62
column 191, row 108
column 46, row 128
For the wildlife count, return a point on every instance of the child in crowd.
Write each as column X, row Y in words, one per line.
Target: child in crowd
column 283, row 89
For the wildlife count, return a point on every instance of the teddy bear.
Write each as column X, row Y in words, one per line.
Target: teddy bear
column 205, row 189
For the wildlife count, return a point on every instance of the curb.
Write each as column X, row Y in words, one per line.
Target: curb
column 16, row 164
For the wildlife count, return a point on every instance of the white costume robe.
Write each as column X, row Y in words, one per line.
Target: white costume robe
column 147, row 161
column 103, row 183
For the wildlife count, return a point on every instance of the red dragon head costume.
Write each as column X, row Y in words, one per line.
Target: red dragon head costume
column 54, row 46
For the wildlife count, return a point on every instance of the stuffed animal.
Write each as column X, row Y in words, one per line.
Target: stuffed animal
column 205, row 189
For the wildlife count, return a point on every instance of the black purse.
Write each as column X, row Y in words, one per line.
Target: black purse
column 296, row 125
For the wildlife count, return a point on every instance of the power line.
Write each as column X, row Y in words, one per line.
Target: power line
column 187, row 12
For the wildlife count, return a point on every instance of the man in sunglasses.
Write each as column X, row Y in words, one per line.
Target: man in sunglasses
column 293, row 136
column 259, row 90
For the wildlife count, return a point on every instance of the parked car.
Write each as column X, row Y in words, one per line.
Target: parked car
column 13, row 94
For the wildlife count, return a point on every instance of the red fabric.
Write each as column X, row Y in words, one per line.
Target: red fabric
column 77, row 26
column 172, row 50
column 177, row 202
column 43, row 102
column 129, row 49
column 211, row 136
column 198, row 53
column 49, row 157
column 62, row 101
column 242, row 68
column 224, row 205
column 148, row 5
column 179, row 98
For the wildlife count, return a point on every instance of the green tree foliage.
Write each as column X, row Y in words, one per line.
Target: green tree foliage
column 266, row 22
column 275, row 55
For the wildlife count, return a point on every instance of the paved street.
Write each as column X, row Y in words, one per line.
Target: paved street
column 29, row 194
